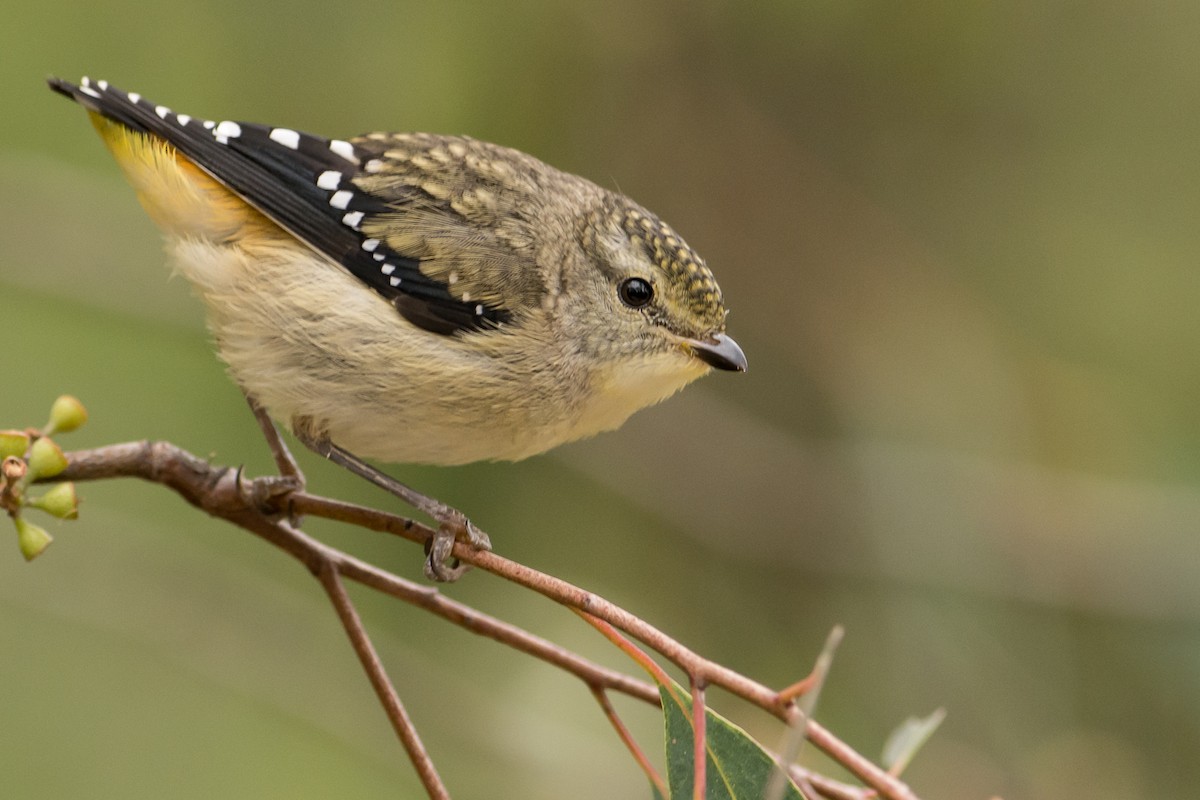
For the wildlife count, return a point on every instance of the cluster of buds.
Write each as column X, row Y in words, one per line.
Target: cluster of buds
column 29, row 456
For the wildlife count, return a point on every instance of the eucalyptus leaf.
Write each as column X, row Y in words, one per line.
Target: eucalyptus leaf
column 738, row 768
column 908, row 738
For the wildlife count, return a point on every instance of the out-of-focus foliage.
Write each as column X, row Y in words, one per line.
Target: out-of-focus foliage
column 960, row 247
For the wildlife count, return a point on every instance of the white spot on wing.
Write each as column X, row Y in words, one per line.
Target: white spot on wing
column 394, row 281
column 208, row 123
column 374, row 165
column 341, row 199
column 286, row 137
column 379, row 256
column 370, row 244
column 227, row 129
column 388, row 269
column 89, row 91
column 353, row 219
column 343, row 149
column 103, row 85
column 134, row 97
column 183, row 119
column 162, row 111
column 329, row 179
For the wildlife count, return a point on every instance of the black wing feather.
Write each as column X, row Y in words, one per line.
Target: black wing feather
column 279, row 177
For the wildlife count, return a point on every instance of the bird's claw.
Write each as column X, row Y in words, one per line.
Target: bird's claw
column 269, row 492
column 440, row 563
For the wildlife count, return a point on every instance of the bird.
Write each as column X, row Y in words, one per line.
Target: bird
column 417, row 297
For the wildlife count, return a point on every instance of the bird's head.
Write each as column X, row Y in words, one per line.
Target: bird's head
column 656, row 295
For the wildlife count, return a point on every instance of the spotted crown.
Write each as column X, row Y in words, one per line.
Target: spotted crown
column 683, row 267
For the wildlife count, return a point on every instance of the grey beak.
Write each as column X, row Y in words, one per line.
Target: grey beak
column 720, row 351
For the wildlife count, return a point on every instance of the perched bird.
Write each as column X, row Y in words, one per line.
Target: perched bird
column 412, row 297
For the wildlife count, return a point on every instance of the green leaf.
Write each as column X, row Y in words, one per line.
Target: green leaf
column 908, row 738
column 738, row 768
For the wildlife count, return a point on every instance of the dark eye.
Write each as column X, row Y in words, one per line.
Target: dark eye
column 635, row 292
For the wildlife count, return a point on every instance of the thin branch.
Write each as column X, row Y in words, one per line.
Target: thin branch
column 827, row 787
column 506, row 633
column 888, row 786
column 799, row 688
column 572, row 596
column 555, row 589
column 222, row 492
column 623, row 733
column 193, row 479
column 285, row 462
column 627, row 647
column 384, row 690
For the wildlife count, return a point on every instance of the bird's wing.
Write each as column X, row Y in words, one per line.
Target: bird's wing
column 305, row 184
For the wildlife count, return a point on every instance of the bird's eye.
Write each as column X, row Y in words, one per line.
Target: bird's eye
column 635, row 292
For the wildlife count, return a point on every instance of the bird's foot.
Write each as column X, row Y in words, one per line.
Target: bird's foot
column 453, row 525
column 440, row 564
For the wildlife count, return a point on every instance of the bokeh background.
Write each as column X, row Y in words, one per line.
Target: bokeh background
column 960, row 247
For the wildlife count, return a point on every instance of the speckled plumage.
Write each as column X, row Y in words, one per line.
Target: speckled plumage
column 415, row 297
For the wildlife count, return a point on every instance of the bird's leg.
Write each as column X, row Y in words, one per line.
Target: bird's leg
column 290, row 478
column 452, row 523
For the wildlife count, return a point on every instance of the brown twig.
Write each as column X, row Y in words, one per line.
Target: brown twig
column 190, row 477
column 827, row 787
column 285, row 462
column 555, row 589
column 257, row 506
column 384, row 690
column 623, row 733
column 888, row 786
column 805, row 705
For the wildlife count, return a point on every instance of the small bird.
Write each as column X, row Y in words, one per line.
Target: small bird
column 418, row 298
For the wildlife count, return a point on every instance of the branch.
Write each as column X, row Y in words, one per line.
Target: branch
column 260, row 506
column 379, row 680
column 222, row 492
column 780, row 703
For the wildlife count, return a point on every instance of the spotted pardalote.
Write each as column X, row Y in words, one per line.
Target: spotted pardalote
column 414, row 297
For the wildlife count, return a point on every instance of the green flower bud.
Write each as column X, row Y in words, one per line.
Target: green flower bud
column 32, row 539
column 13, row 443
column 66, row 414
column 46, row 459
column 61, row 501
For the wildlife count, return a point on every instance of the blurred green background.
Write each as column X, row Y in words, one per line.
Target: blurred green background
column 959, row 245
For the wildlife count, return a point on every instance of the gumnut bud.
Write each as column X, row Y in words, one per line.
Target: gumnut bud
column 32, row 539
column 66, row 414
column 61, row 501
column 46, row 459
column 13, row 443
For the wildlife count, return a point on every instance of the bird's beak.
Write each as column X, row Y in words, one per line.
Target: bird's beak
column 718, row 351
